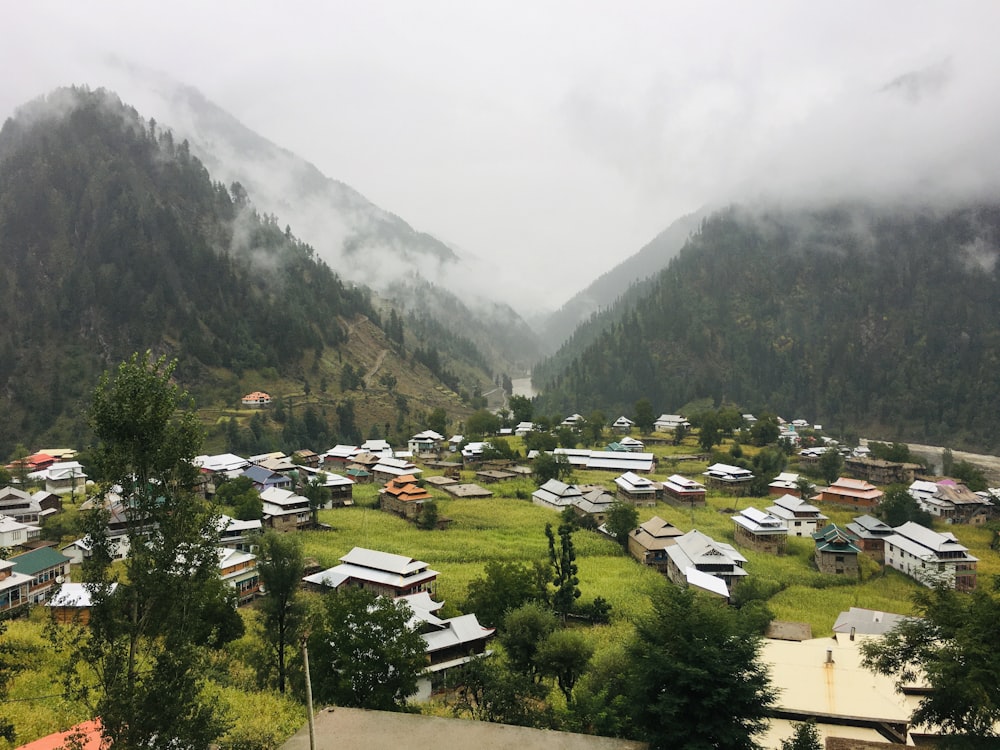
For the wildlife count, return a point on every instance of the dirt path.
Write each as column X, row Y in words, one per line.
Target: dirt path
column 378, row 363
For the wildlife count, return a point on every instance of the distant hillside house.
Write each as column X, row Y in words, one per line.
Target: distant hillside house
column 854, row 493
column 836, row 551
column 265, row 479
column 760, row 531
column 801, row 518
column 594, row 504
column 15, row 535
column 382, row 573
column 878, row 471
column 680, row 490
column 695, row 550
column 556, row 495
column 393, row 468
column 786, row 483
column 670, row 422
column 574, row 421
column 952, row 501
column 239, row 570
column 256, row 399
column 870, row 534
column 239, row 535
column 623, row 425
column 425, row 442
column 404, row 496
column 632, row 445
column 19, row 506
column 62, row 478
column 732, row 479
column 640, row 491
column 930, row 557
column 648, row 543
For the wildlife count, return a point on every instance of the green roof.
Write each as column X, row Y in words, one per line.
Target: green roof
column 34, row 562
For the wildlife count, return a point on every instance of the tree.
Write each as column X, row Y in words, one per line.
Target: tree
column 364, row 652
column 240, row 494
column 567, row 437
column 765, row 431
column 708, row 433
column 148, row 634
column 482, row 423
column 680, row 432
column 523, row 631
column 898, row 506
column 488, row 691
column 318, row 494
column 437, row 420
column 428, row 518
column 593, row 427
column 644, row 418
column 697, row 679
column 970, row 475
column 564, row 569
column 503, row 587
column 806, row 737
column 951, row 645
column 831, row 463
column 521, row 408
column 280, row 565
column 623, row 518
column 538, row 440
column 564, row 655
column 548, row 466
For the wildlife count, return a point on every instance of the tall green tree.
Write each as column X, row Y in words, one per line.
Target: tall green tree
column 564, row 656
column 697, row 678
column 548, row 466
column 898, row 506
column 148, row 631
column 523, row 631
column 505, row 586
column 831, row 463
column 521, row 408
column 805, row 737
column 643, row 416
column 280, row 565
column 623, row 518
column 952, row 647
column 363, row 652
column 564, row 569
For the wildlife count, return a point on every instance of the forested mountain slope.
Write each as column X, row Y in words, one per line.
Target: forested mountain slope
column 114, row 238
column 858, row 317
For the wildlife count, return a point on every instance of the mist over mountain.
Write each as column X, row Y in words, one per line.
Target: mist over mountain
column 859, row 316
column 363, row 242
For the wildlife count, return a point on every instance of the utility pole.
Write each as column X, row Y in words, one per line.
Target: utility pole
column 309, row 693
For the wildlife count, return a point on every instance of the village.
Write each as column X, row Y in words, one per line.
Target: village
column 423, row 482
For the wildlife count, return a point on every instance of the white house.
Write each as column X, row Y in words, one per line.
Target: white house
column 801, row 518
column 670, row 422
column 62, row 478
column 424, row 442
column 14, row 534
column 930, row 557
column 623, row 424
column 556, row 495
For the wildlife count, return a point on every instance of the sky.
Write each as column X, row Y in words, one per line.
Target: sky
column 556, row 138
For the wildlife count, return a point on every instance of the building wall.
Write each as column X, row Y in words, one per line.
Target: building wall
column 838, row 563
column 772, row 544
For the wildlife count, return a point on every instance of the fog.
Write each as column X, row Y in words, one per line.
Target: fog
column 549, row 143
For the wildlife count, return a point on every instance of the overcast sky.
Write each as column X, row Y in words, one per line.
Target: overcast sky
column 564, row 135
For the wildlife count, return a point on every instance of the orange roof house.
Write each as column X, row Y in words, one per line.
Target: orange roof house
column 403, row 496
column 855, row 493
column 85, row 735
column 257, row 398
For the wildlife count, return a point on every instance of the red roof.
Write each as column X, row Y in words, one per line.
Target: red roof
column 89, row 730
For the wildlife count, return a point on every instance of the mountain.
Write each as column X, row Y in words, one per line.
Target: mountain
column 114, row 239
column 557, row 327
column 365, row 243
column 882, row 318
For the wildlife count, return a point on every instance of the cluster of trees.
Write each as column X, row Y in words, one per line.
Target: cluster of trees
column 890, row 341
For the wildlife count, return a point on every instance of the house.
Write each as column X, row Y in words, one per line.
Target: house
column 62, row 478
column 859, row 621
column 340, row 488
column 699, row 551
column 304, row 457
column 623, row 425
column 389, row 468
column 760, row 531
column 382, row 573
column 930, row 557
column 786, row 483
column 46, row 567
column 71, row 604
column 284, row 510
column 339, row 456
column 801, row 518
column 523, row 428
column 424, row 442
column 854, row 493
column 472, row 452
column 951, row 501
column 239, row 570
column 256, row 399
column 632, row 445
column 239, row 535
column 378, row 447
column 607, row 460
column 491, row 476
column 594, row 504
column 81, row 549
column 265, row 479
column 220, row 466
column 879, row 471
column 869, row 535
column 556, row 495
column 404, row 496
column 836, row 551
column 15, row 535
column 732, row 479
column 573, row 421
column 680, row 490
column 640, row 491
column 648, row 543
column 19, row 506
column 13, row 587
column 670, row 422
